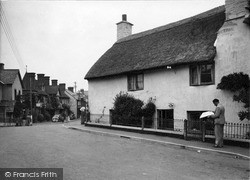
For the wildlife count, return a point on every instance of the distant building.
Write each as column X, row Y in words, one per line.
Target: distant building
column 77, row 100
column 177, row 65
column 44, row 92
column 11, row 85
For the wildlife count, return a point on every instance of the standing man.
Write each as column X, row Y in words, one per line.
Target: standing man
column 219, row 121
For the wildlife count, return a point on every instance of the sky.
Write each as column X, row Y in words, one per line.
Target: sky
column 63, row 39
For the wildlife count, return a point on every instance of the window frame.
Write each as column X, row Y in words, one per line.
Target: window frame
column 199, row 74
column 134, row 83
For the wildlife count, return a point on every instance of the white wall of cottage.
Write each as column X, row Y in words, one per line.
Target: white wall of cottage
column 164, row 86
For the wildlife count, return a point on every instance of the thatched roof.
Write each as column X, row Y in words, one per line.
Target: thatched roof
column 186, row 41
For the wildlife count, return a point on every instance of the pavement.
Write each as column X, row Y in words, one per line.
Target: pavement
column 193, row 145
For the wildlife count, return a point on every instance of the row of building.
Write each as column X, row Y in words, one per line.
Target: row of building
column 12, row 85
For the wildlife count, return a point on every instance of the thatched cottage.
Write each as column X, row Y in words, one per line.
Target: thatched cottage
column 177, row 65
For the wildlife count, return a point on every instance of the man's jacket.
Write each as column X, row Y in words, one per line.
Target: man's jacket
column 219, row 115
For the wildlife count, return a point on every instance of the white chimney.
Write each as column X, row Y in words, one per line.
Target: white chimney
column 124, row 28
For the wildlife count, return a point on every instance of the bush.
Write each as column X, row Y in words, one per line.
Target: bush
column 35, row 116
column 149, row 109
column 47, row 116
column 148, row 112
column 40, row 118
column 18, row 108
column 127, row 110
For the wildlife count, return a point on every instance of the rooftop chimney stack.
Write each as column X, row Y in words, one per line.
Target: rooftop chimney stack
column 54, row 82
column 62, row 86
column 40, row 79
column 124, row 28
column 30, row 82
column 46, row 80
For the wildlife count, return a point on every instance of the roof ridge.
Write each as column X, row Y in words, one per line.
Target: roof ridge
column 173, row 24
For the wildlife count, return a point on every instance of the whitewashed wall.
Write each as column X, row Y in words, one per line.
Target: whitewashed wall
column 165, row 86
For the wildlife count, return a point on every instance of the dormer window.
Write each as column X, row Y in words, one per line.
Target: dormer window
column 135, row 82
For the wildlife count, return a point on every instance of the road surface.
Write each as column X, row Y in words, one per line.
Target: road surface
column 85, row 156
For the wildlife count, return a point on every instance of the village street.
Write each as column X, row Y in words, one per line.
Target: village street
column 86, row 156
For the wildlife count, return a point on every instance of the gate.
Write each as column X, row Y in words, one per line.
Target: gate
column 195, row 129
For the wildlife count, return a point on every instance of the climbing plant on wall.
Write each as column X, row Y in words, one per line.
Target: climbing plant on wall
column 238, row 83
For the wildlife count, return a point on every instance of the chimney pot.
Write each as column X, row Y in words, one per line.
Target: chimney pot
column 124, row 17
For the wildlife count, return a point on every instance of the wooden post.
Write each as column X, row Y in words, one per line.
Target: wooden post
column 203, row 130
column 110, row 118
column 142, row 123
column 185, row 129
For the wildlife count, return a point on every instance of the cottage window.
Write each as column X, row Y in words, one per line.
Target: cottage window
column 201, row 74
column 135, row 82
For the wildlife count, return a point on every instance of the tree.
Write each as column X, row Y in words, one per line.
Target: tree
column 54, row 102
column 238, row 83
column 18, row 108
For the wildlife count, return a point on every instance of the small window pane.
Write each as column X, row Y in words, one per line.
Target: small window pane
column 130, row 83
column 194, row 75
column 139, row 84
column 206, row 74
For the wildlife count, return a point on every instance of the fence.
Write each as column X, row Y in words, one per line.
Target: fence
column 7, row 122
column 237, row 130
column 190, row 128
column 201, row 129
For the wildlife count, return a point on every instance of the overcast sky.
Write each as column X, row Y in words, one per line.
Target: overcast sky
column 63, row 39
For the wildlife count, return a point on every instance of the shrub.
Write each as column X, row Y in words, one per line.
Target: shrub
column 40, row 117
column 47, row 116
column 148, row 112
column 18, row 108
column 127, row 110
column 149, row 109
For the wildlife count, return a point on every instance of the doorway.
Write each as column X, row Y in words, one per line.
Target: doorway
column 165, row 118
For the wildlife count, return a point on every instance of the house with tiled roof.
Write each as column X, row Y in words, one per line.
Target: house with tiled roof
column 11, row 85
column 45, row 92
column 77, row 100
column 178, row 65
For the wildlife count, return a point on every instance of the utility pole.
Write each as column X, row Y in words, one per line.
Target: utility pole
column 31, row 121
